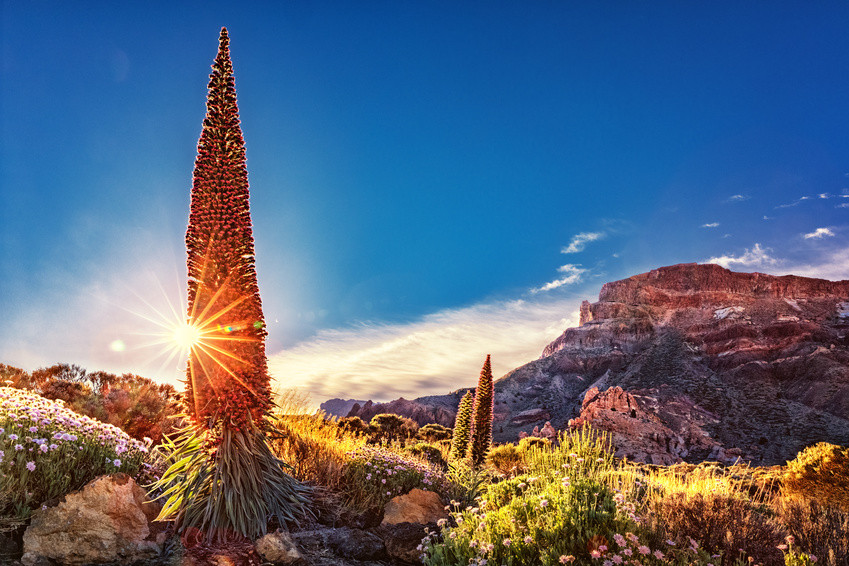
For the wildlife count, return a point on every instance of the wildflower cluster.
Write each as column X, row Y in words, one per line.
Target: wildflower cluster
column 375, row 475
column 47, row 450
column 795, row 557
column 540, row 519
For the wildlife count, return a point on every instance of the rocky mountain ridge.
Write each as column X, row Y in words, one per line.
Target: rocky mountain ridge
column 689, row 362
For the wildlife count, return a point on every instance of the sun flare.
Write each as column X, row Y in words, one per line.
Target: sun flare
column 186, row 336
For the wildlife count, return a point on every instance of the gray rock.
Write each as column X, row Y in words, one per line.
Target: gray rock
column 279, row 548
column 344, row 542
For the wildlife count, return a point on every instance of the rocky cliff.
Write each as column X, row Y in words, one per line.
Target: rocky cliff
column 692, row 362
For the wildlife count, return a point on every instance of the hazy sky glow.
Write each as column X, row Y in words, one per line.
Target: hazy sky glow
column 431, row 182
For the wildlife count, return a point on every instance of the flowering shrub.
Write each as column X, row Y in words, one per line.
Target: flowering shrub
column 629, row 549
column 47, row 450
column 528, row 520
column 795, row 557
column 375, row 475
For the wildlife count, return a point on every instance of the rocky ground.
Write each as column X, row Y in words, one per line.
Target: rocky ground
column 110, row 522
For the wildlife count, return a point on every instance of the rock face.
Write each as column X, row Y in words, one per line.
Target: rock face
column 339, row 407
column 703, row 363
column 107, row 521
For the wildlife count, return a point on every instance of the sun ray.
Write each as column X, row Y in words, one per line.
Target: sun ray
column 228, row 370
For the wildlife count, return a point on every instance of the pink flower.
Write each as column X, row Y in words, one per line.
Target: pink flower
column 31, row 466
column 595, row 554
column 564, row 559
column 617, row 559
column 658, row 554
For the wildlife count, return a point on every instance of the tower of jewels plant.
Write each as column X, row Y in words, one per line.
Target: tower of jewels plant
column 481, row 440
column 462, row 427
column 224, row 479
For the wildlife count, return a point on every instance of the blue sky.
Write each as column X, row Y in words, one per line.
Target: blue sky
column 418, row 170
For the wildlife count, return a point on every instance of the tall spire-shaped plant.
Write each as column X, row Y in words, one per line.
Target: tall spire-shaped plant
column 462, row 427
column 224, row 477
column 481, row 440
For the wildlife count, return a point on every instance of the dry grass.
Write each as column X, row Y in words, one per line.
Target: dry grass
column 312, row 444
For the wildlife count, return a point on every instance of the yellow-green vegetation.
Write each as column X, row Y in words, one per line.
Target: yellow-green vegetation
column 570, row 501
column 821, row 472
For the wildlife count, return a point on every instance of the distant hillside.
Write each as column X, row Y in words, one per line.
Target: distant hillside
column 339, row 407
column 691, row 362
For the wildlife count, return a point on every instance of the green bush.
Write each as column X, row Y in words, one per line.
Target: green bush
column 429, row 452
column 506, row 459
column 433, row 432
column 529, row 442
column 821, row 472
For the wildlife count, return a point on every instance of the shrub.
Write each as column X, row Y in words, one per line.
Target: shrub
column 507, row 459
column 709, row 505
column 821, row 472
column 375, row 475
column 428, row 452
column 47, row 450
column 821, row 529
column 354, row 425
column 392, row 427
column 537, row 442
column 536, row 524
column 433, row 432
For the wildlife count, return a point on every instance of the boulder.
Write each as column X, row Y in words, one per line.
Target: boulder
column 109, row 520
column 404, row 540
column 418, row 506
column 279, row 548
column 343, row 542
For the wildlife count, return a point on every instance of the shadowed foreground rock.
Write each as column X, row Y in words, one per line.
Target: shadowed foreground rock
column 108, row 521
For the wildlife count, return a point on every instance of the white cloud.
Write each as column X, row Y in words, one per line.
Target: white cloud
column 434, row 355
column 818, row 234
column 710, row 225
column 756, row 257
column 580, row 241
column 842, row 205
column 737, row 198
column 573, row 275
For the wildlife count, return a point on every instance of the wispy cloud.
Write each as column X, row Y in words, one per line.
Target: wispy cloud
column 795, row 202
column 832, row 263
column 842, row 205
column 818, row 234
column 580, row 241
column 755, row 257
column 737, row 198
column 573, row 274
column 710, row 225
column 436, row 354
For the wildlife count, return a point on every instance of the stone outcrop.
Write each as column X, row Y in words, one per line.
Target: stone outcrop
column 108, row 521
column 712, row 364
column 418, row 506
